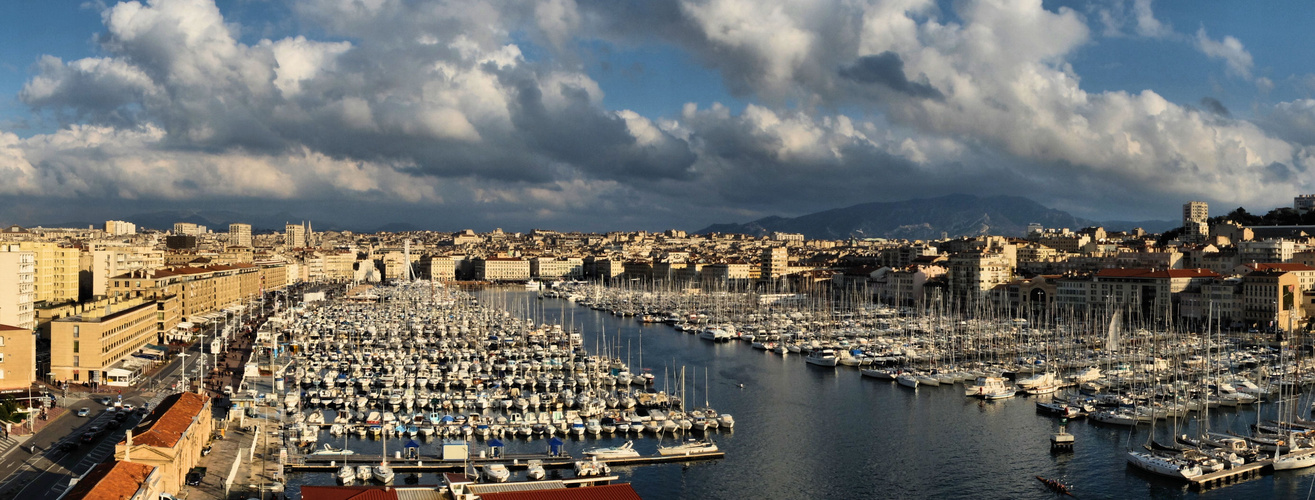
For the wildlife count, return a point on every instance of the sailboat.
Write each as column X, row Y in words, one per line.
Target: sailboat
column 382, row 472
column 1297, row 457
column 1162, row 463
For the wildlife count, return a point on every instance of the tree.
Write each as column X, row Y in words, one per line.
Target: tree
column 10, row 412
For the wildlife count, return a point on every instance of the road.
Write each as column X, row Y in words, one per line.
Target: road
column 46, row 474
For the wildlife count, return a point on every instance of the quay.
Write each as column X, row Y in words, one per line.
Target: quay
column 330, row 463
column 1239, row 474
column 1229, row 477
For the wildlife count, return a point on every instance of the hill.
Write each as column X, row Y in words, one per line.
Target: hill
column 922, row 218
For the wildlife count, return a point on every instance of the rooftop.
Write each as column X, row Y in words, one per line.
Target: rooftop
column 169, row 421
column 111, row 480
column 621, row 491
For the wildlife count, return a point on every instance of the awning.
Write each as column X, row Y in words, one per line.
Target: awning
column 186, row 325
column 118, row 373
column 150, row 349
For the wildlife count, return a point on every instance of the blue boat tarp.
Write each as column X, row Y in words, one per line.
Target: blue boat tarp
column 412, row 444
column 554, row 447
column 495, row 443
column 446, row 419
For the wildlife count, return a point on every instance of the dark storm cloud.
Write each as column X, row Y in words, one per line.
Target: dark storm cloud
column 887, row 69
column 1214, row 106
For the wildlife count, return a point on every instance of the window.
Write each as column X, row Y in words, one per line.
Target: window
column 76, row 328
column 75, row 346
column 76, row 361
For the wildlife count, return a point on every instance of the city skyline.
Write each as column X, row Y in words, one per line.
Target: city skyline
column 647, row 115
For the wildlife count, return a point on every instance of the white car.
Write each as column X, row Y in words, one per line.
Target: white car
column 84, row 411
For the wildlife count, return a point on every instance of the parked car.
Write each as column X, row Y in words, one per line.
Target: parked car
column 88, row 437
column 84, row 411
column 195, row 476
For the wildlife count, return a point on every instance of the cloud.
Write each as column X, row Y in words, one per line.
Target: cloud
column 1147, row 24
column 887, row 69
column 1214, row 106
column 1230, row 50
column 482, row 109
column 1136, row 16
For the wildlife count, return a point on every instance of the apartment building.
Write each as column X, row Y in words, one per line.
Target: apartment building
column 239, row 235
column 17, row 287
column 502, row 268
column 294, row 235
column 87, row 347
column 119, row 228
column 18, row 354
column 552, row 268
column 108, row 261
column 973, row 274
column 436, row 267
column 189, row 229
column 1273, row 299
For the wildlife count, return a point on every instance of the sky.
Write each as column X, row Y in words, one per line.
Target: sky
column 598, row 115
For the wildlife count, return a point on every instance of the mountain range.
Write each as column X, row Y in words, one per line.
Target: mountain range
column 929, row 218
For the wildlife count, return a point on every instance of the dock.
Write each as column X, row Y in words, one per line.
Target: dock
column 330, row 463
column 1229, row 477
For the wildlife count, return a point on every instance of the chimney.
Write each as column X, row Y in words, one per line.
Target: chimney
column 127, row 452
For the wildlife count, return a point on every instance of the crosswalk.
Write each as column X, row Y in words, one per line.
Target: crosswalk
column 7, row 443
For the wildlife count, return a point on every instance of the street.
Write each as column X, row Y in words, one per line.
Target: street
column 46, row 474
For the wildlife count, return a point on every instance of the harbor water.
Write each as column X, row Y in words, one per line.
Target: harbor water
column 804, row 431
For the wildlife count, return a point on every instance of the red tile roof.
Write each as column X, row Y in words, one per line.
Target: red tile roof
column 621, row 491
column 348, row 493
column 7, row 328
column 171, row 418
column 112, row 480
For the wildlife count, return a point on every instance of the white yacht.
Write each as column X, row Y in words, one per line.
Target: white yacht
column 1163, row 465
column 534, row 470
column 346, row 474
column 984, row 387
column 496, row 473
column 822, row 357
column 690, row 447
column 624, row 451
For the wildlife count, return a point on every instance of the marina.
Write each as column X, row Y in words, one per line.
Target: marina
column 753, row 383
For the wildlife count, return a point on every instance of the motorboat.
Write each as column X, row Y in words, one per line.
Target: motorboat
column 626, row 450
column 534, row 470
column 330, row 450
column 689, row 447
column 496, row 473
column 591, row 468
column 346, row 474
column 822, row 357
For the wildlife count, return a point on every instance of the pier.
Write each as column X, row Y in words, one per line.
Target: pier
column 327, row 463
column 1228, row 477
